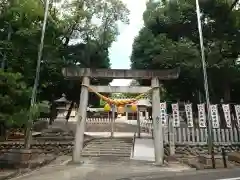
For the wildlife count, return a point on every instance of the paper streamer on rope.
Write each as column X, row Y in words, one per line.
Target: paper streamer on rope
column 227, row 115
column 237, row 111
column 175, row 114
column 189, row 114
column 201, row 115
column 163, row 113
column 214, row 116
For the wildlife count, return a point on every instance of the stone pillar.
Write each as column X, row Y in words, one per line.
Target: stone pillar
column 171, row 131
column 147, row 115
column 81, row 122
column 157, row 124
column 140, row 115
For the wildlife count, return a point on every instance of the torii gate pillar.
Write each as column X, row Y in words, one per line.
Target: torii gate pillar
column 157, row 123
column 81, row 121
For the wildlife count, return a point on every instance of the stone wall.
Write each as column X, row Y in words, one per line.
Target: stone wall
column 57, row 148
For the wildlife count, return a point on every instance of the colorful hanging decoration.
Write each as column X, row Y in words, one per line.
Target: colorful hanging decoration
column 189, row 114
column 201, row 115
column 214, row 116
column 227, row 115
column 237, row 111
column 163, row 113
column 175, row 114
column 107, row 107
column 133, row 107
column 118, row 102
column 120, row 109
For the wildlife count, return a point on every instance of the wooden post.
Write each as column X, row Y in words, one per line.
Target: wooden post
column 81, row 121
column 171, row 137
column 138, row 125
column 157, row 123
column 113, row 120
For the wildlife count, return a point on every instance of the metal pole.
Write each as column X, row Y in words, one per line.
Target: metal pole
column 209, row 122
column 28, row 134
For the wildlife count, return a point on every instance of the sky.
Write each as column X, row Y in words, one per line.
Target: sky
column 121, row 49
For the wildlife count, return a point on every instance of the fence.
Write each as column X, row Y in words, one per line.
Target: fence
column 183, row 135
column 98, row 120
column 195, row 136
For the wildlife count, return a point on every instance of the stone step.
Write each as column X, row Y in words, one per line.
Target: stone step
column 127, row 139
column 107, row 149
column 108, row 145
column 105, row 142
column 96, row 154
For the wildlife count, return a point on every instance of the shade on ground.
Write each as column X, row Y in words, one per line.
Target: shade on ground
column 143, row 149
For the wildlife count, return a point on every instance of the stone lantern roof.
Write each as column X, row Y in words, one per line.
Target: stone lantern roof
column 144, row 102
column 63, row 99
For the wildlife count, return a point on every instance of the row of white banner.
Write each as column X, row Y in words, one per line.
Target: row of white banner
column 201, row 115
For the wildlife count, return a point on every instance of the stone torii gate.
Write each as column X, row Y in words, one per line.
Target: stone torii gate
column 87, row 73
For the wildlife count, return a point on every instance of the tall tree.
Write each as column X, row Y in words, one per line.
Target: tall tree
column 170, row 39
column 80, row 37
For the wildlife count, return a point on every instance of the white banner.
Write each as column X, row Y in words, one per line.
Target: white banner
column 237, row 111
column 175, row 114
column 227, row 115
column 163, row 113
column 214, row 116
column 201, row 115
column 189, row 114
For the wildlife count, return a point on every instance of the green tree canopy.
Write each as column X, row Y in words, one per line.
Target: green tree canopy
column 78, row 33
column 170, row 39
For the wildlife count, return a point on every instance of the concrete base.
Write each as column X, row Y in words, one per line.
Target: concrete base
column 171, row 159
column 143, row 150
column 234, row 156
column 207, row 161
column 75, row 163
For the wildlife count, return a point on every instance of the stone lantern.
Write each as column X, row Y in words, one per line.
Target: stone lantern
column 62, row 106
column 143, row 105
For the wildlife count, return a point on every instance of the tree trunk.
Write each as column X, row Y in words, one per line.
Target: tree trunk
column 53, row 112
column 227, row 92
column 3, row 131
column 3, row 65
column 69, row 111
